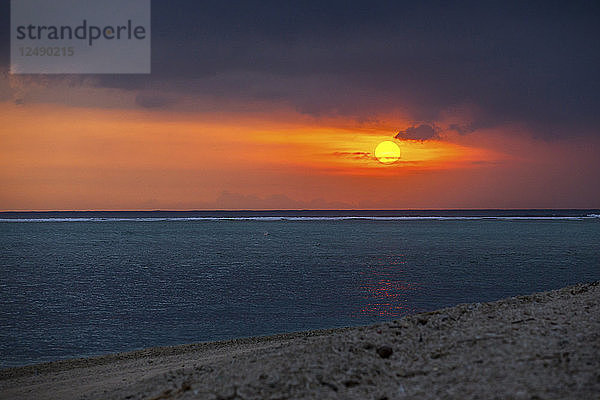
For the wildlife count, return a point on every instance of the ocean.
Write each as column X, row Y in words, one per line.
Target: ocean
column 78, row 284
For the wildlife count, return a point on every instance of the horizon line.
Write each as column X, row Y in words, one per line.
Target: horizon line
column 301, row 210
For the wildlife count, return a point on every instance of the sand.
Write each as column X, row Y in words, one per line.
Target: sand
column 541, row 346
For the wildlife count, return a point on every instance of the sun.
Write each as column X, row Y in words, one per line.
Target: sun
column 387, row 152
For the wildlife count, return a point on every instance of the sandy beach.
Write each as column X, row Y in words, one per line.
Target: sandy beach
column 540, row 346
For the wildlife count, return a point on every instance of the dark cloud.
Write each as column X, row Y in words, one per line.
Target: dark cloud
column 155, row 99
column 532, row 63
column 462, row 129
column 420, row 132
column 357, row 155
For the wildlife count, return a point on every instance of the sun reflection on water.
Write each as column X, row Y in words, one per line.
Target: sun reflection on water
column 386, row 293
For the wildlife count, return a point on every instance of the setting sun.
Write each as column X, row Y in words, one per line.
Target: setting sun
column 387, row 152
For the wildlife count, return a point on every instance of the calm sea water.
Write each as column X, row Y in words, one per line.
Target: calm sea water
column 82, row 284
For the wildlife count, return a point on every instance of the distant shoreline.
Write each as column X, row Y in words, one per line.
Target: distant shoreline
column 545, row 344
column 444, row 213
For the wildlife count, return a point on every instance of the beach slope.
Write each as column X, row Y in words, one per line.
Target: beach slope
column 541, row 346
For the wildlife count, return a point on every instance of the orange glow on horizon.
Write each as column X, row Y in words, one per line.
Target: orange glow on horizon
column 57, row 157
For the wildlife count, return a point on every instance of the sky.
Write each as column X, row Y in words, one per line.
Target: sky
column 269, row 105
